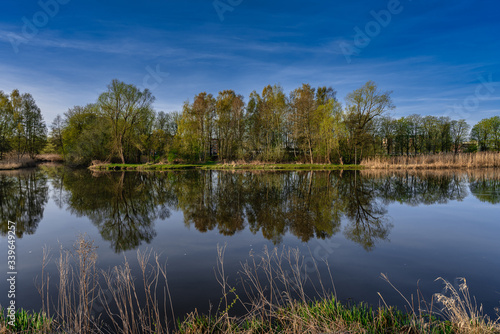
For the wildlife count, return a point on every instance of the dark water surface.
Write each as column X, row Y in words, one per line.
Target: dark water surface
column 414, row 227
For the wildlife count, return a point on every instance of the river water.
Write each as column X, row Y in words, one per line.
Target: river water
column 413, row 227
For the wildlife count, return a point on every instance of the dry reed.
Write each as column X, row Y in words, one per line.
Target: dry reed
column 463, row 311
column 15, row 163
column 435, row 161
column 274, row 285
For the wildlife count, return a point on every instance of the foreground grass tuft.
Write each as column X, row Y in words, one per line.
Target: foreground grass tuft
column 26, row 322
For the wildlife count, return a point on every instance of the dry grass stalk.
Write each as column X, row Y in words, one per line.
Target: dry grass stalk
column 463, row 311
column 275, row 285
column 134, row 314
column 77, row 288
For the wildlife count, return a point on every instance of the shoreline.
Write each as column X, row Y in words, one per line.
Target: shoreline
column 327, row 314
column 25, row 162
column 220, row 166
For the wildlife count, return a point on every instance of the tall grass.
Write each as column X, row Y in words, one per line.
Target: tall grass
column 274, row 284
column 12, row 161
column 271, row 293
column 15, row 163
column 463, row 311
column 435, row 161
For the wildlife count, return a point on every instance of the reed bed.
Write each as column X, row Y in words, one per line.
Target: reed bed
column 271, row 293
column 50, row 157
column 435, row 161
column 11, row 161
column 15, row 163
column 467, row 174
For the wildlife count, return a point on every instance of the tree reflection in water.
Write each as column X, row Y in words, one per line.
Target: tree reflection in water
column 485, row 186
column 124, row 206
column 23, row 195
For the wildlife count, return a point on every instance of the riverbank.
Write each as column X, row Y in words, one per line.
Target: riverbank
column 323, row 316
column 436, row 161
column 12, row 163
column 430, row 162
column 326, row 315
column 221, row 166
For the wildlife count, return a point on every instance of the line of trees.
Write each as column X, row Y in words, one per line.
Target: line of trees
column 415, row 134
column 307, row 125
column 22, row 128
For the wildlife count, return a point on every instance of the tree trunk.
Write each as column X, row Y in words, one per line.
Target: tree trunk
column 310, row 151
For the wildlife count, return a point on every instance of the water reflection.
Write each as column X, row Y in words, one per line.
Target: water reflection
column 365, row 210
column 23, row 196
column 415, row 188
column 485, row 186
column 125, row 206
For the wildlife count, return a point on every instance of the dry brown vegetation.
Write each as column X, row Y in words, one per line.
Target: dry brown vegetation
column 272, row 295
column 50, row 157
column 15, row 163
column 436, row 161
column 468, row 174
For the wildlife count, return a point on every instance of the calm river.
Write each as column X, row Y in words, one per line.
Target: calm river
column 414, row 227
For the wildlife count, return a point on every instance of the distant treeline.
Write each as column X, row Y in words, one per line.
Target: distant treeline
column 307, row 125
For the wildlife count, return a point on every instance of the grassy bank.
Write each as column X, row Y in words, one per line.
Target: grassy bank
column 221, row 166
column 431, row 162
column 436, row 161
column 273, row 300
column 322, row 316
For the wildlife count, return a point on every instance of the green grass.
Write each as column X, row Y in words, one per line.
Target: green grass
column 26, row 322
column 323, row 316
column 327, row 314
column 220, row 166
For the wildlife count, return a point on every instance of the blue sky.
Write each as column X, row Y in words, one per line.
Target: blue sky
column 438, row 57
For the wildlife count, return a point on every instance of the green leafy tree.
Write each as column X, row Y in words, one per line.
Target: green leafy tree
column 124, row 106
column 6, row 124
column 229, row 124
column 56, row 134
column 34, row 130
column 196, row 127
column 266, row 121
column 481, row 134
column 17, row 118
column 86, row 135
column 493, row 124
column 162, row 137
column 303, row 119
